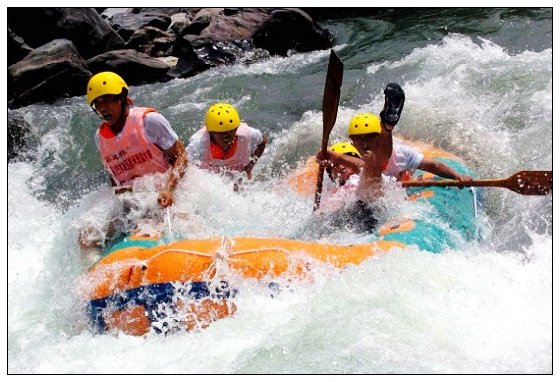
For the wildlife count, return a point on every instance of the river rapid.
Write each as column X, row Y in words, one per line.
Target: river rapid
column 478, row 83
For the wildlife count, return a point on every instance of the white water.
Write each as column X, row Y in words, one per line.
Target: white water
column 482, row 308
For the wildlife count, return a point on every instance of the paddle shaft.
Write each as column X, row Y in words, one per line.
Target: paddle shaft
column 122, row 189
column 523, row 182
column 331, row 98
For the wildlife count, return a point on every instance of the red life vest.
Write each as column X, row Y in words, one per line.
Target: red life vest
column 219, row 153
column 235, row 159
column 130, row 154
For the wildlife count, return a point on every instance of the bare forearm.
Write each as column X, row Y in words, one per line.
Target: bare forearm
column 260, row 148
column 177, row 171
column 438, row 168
column 352, row 163
column 179, row 164
column 257, row 154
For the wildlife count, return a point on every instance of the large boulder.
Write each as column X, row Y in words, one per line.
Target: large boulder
column 179, row 22
column 219, row 36
column 289, row 30
column 188, row 64
column 51, row 71
column 225, row 24
column 90, row 34
column 127, row 23
column 135, row 67
column 152, row 41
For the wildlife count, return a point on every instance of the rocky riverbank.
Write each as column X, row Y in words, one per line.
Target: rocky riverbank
column 65, row 46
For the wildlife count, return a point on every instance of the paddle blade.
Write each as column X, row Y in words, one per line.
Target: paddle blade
column 531, row 182
column 331, row 95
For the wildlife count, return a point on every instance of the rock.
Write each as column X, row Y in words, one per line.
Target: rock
column 179, row 22
column 90, row 34
column 226, row 25
column 20, row 137
column 17, row 48
column 136, row 68
column 291, row 29
column 188, row 41
column 107, row 13
column 166, row 11
column 254, row 56
column 48, row 72
column 197, row 26
column 152, row 41
column 219, row 53
column 189, row 63
column 332, row 13
column 221, row 36
column 127, row 23
column 169, row 60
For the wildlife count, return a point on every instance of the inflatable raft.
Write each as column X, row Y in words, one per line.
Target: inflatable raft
column 144, row 284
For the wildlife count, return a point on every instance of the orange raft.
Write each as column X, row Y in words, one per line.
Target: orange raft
column 145, row 284
column 180, row 286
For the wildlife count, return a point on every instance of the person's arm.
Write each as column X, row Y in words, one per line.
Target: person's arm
column 331, row 159
column 385, row 148
column 158, row 131
column 375, row 163
column 441, row 169
column 255, row 157
column 177, row 156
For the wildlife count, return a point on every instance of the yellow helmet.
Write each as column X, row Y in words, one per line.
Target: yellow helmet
column 365, row 123
column 221, row 117
column 104, row 83
column 345, row 148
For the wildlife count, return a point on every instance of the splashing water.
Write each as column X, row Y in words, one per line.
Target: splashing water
column 484, row 307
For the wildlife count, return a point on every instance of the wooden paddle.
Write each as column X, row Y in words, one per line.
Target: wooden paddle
column 331, row 97
column 121, row 189
column 523, row 182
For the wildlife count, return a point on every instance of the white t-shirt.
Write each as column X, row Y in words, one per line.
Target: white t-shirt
column 404, row 158
column 158, row 131
column 336, row 196
column 196, row 150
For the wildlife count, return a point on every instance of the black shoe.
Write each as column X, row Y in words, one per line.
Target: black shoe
column 394, row 102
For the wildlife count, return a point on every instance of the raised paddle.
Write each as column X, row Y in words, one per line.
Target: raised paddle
column 331, row 96
column 523, row 182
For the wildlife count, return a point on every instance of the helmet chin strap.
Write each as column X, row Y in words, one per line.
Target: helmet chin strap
column 124, row 105
column 96, row 113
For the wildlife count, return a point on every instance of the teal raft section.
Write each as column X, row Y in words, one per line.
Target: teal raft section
column 128, row 242
column 452, row 220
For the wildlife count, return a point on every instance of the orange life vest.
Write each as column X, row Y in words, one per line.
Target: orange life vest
column 130, row 154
